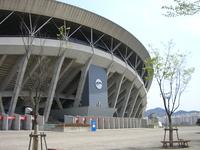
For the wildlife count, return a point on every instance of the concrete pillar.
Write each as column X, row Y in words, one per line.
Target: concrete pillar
column 97, row 123
column 129, row 87
column 82, row 81
column 17, row 122
column 139, row 123
column 106, row 123
column 122, row 123
column 119, row 84
column 117, row 123
column 18, row 84
column 101, row 123
column 130, row 123
column 125, row 122
column 28, row 122
column 53, row 85
column 41, row 122
column 1, row 106
column 144, row 123
column 112, row 122
column 134, row 123
column 5, row 122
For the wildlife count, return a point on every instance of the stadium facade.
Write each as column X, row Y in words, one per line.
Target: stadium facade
column 96, row 70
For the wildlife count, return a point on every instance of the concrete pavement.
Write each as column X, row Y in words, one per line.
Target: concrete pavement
column 123, row 139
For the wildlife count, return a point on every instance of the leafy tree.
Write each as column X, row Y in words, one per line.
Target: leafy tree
column 182, row 8
column 170, row 72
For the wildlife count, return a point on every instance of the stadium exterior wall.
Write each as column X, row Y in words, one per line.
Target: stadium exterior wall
column 91, row 40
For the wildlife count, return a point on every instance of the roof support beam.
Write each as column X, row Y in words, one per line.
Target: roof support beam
column 66, row 68
column 59, row 103
column 20, row 76
column 67, row 81
column 33, row 70
column 1, row 106
column 132, row 105
column 119, row 81
column 6, row 17
column 82, row 80
column 127, row 98
column 3, row 58
column 11, row 74
column 53, row 85
column 115, row 48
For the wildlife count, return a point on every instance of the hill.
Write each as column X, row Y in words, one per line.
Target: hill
column 160, row 112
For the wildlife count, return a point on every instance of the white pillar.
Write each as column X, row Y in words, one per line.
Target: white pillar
column 82, row 80
column 28, row 122
column 1, row 106
column 53, row 85
column 17, row 122
column 5, row 122
column 20, row 76
column 129, row 88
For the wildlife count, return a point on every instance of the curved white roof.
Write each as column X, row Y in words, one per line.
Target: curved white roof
column 74, row 14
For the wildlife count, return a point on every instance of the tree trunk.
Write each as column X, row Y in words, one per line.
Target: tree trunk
column 170, row 131
column 36, row 137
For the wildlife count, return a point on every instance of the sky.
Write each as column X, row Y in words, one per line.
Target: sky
column 145, row 20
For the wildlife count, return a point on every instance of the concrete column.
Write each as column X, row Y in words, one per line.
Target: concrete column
column 53, row 85
column 122, row 123
column 117, row 123
column 135, row 107
column 119, row 84
column 129, row 87
column 106, row 123
column 1, row 106
column 20, row 76
column 97, row 122
column 5, row 122
column 28, row 122
column 125, row 123
column 137, row 122
column 101, row 123
column 134, row 123
column 17, row 122
column 82, row 82
column 136, row 111
column 112, row 122
column 130, row 123
column 41, row 122
column 143, row 123
column 134, row 96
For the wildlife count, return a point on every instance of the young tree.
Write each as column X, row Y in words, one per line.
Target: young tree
column 182, row 8
column 170, row 72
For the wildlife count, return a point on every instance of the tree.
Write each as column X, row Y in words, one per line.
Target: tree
column 182, row 8
column 172, row 76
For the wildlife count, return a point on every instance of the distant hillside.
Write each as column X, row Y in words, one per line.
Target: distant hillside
column 161, row 112
column 158, row 111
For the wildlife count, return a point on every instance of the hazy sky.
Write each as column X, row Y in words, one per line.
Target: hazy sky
column 144, row 19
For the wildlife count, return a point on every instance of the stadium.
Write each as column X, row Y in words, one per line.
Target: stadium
column 93, row 66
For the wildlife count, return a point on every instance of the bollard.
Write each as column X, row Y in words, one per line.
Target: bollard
column 41, row 122
column 101, row 123
column 28, row 122
column 17, row 122
column 5, row 122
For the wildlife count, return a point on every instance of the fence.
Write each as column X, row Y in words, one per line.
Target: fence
column 107, row 122
column 19, row 122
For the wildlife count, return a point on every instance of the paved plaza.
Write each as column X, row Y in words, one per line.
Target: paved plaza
column 123, row 139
